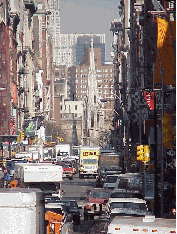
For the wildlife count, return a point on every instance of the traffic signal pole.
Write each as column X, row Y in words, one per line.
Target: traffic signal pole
column 156, row 199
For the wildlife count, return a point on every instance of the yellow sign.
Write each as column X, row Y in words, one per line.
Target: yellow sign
column 168, row 131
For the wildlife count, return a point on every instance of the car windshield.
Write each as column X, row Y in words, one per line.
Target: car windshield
column 63, row 154
column 89, row 161
column 71, row 204
column 128, row 205
column 111, row 179
column 52, row 199
column 105, row 195
column 67, row 166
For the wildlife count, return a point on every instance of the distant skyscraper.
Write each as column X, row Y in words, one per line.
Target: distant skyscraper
column 84, row 42
column 54, row 23
column 70, row 48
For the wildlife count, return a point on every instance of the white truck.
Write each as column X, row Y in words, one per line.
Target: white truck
column 22, row 211
column 148, row 224
column 38, row 152
column 47, row 177
column 89, row 158
column 62, row 151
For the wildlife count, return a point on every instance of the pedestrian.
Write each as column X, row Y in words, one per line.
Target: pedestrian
column 6, row 177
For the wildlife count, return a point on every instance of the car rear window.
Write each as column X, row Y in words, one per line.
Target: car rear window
column 128, row 205
column 126, row 195
column 111, row 179
column 99, row 195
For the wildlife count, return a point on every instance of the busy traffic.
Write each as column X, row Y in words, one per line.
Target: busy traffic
column 85, row 192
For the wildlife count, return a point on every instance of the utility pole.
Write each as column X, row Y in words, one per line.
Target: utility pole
column 156, row 199
column 162, row 156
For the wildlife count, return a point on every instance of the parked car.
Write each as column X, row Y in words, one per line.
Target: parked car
column 131, row 181
column 104, row 171
column 126, row 206
column 96, row 203
column 110, row 181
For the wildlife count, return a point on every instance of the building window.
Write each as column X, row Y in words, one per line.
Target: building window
column 94, row 98
column 65, row 107
column 61, row 107
column 39, row 6
column 75, row 107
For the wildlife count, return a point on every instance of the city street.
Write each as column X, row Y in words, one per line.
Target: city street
column 78, row 190
column 87, row 88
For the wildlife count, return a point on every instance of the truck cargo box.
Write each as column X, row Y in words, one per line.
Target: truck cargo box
column 38, row 172
column 22, row 211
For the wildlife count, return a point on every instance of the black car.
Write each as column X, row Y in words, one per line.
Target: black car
column 51, row 199
column 104, row 171
column 71, row 206
column 59, row 208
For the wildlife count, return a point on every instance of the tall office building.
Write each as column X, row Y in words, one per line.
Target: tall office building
column 53, row 19
column 70, row 48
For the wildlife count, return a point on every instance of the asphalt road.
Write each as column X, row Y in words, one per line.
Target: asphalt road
column 78, row 189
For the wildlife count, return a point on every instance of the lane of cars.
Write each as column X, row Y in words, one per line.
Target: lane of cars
column 116, row 194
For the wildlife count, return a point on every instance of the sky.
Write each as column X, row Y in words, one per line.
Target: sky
column 89, row 16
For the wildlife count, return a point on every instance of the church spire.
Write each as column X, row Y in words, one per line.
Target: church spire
column 92, row 62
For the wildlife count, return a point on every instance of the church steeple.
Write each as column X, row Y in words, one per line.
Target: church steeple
column 92, row 62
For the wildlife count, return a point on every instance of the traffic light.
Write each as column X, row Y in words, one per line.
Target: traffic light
column 146, row 153
column 57, row 136
column 22, row 135
column 61, row 139
column 140, row 152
